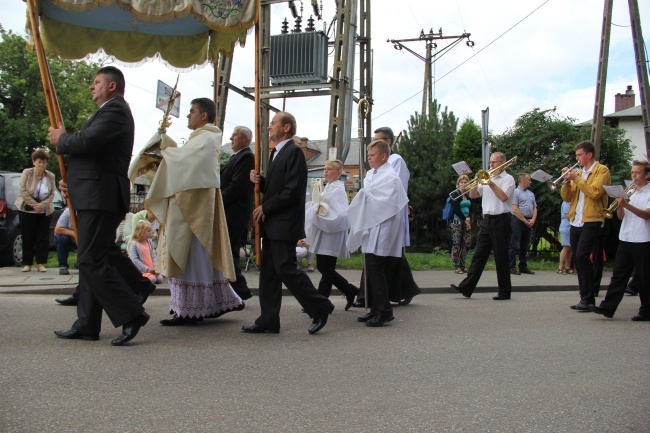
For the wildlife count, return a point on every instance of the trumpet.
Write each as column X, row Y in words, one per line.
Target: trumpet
column 483, row 177
column 609, row 212
column 556, row 183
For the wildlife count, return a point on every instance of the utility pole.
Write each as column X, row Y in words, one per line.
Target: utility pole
column 430, row 57
column 641, row 71
column 601, row 79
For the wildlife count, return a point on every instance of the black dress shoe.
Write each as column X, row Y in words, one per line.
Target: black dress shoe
column 317, row 324
column 599, row 310
column 641, row 318
column 404, row 302
column 501, row 297
column 70, row 300
column 178, row 321
column 357, row 304
column 526, row 271
column 465, row 294
column 365, row 317
column 349, row 301
column 581, row 307
column 73, row 334
column 630, row 291
column 130, row 330
column 256, row 329
column 379, row 319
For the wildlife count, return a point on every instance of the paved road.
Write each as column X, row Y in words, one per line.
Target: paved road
column 446, row 364
column 50, row 282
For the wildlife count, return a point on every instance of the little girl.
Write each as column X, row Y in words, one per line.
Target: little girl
column 142, row 253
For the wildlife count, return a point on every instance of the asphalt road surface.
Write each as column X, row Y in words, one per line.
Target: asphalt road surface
column 445, row 364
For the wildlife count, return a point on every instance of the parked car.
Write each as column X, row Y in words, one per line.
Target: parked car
column 11, row 241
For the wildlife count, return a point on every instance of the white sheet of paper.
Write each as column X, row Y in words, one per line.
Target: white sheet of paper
column 461, row 168
column 615, row 191
column 541, row 176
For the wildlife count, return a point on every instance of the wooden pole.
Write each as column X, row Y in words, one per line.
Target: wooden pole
column 258, row 131
column 53, row 109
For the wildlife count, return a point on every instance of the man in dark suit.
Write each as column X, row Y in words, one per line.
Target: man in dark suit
column 282, row 213
column 98, row 159
column 237, row 194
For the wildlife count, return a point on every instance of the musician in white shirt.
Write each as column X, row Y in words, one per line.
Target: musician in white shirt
column 494, row 232
column 634, row 247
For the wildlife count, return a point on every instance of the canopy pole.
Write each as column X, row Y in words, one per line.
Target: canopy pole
column 258, row 132
column 53, row 109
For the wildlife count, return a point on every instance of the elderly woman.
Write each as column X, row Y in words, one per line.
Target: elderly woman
column 461, row 228
column 36, row 192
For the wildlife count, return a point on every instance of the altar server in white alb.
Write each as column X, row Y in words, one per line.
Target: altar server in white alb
column 326, row 227
column 377, row 226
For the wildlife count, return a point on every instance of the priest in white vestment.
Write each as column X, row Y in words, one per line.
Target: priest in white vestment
column 193, row 245
column 326, row 227
column 377, row 226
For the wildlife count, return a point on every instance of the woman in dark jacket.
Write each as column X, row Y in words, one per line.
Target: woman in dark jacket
column 461, row 228
column 36, row 192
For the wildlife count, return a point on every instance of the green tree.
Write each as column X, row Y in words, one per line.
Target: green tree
column 23, row 114
column 467, row 146
column 426, row 148
column 544, row 140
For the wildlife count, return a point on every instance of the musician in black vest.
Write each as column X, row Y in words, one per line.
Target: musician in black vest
column 237, row 194
column 98, row 159
column 282, row 214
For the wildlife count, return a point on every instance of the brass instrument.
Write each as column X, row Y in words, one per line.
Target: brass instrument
column 482, row 177
column 609, row 212
column 556, row 183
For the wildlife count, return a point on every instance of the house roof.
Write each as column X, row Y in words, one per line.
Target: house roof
column 628, row 112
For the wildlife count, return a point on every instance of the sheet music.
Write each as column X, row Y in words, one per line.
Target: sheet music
column 615, row 191
column 541, row 176
column 461, row 168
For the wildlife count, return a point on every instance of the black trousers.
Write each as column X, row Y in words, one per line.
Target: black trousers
column 278, row 267
column 401, row 284
column 129, row 274
column 240, row 285
column 35, row 229
column 378, row 298
column 629, row 257
column 583, row 240
column 493, row 235
column 326, row 265
column 102, row 286
column 597, row 259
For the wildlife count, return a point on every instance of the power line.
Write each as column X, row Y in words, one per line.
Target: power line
column 468, row 59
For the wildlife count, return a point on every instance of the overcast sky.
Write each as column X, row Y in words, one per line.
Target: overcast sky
column 527, row 54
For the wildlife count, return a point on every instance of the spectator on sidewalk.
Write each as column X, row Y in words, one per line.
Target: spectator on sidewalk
column 524, row 214
column 564, row 267
column 65, row 240
column 142, row 252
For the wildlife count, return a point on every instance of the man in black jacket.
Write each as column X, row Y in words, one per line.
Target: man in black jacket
column 282, row 213
column 237, row 194
column 98, row 159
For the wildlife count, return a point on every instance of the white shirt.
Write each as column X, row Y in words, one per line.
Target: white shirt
column 491, row 204
column 278, row 147
column 633, row 228
column 580, row 206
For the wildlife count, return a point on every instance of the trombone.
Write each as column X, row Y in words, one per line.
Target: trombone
column 609, row 212
column 482, row 177
column 556, row 183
